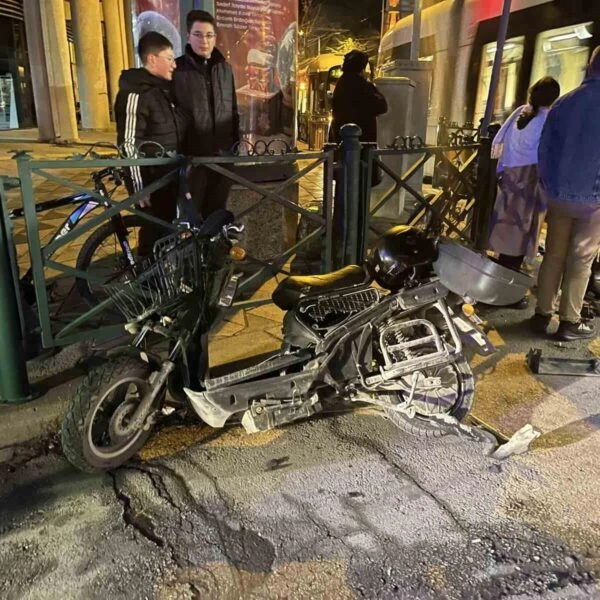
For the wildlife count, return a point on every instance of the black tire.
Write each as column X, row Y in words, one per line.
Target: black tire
column 421, row 425
column 79, row 419
column 91, row 246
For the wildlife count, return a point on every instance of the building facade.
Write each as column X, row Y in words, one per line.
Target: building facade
column 60, row 62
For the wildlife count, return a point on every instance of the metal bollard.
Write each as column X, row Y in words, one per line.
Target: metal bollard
column 14, row 384
column 483, row 207
column 351, row 151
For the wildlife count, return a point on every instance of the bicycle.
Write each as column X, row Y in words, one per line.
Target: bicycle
column 93, row 256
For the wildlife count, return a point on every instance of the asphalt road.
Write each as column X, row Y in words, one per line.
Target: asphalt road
column 343, row 506
column 340, row 507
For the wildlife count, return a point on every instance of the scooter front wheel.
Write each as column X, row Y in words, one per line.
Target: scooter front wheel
column 93, row 436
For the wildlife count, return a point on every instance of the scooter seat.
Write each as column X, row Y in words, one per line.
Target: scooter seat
column 290, row 290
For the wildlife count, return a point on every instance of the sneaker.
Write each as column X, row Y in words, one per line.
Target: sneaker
column 569, row 332
column 540, row 323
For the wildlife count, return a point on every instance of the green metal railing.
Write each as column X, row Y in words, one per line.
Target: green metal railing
column 460, row 206
column 84, row 325
column 455, row 206
column 14, row 385
column 225, row 166
column 40, row 255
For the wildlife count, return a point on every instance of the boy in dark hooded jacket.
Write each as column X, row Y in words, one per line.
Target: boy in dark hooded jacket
column 146, row 115
column 356, row 100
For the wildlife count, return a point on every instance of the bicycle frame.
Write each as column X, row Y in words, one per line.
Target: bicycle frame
column 86, row 204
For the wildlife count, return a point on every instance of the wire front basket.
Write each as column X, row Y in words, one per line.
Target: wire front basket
column 174, row 272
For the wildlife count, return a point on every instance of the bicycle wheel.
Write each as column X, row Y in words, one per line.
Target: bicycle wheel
column 102, row 257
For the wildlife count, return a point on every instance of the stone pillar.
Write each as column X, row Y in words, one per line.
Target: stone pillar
column 91, row 70
column 38, row 68
column 114, row 27
column 125, row 16
column 129, row 41
column 57, row 67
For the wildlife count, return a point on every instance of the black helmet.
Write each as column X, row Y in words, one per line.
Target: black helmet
column 396, row 254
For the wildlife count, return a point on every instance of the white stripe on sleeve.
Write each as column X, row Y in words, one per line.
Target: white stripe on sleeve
column 129, row 142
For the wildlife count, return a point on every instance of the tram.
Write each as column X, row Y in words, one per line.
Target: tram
column 545, row 37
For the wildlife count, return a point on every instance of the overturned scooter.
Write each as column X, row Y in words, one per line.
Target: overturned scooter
column 381, row 334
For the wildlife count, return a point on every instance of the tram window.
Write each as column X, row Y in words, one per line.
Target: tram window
column 563, row 54
column 427, row 49
column 506, row 94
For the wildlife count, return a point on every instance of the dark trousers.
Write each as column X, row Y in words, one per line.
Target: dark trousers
column 163, row 206
column 209, row 190
column 511, row 262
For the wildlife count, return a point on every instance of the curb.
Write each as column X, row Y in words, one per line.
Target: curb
column 25, row 423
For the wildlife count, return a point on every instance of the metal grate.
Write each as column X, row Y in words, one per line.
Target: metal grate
column 345, row 303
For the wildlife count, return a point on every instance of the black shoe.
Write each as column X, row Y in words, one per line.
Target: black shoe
column 540, row 323
column 522, row 304
column 569, row 332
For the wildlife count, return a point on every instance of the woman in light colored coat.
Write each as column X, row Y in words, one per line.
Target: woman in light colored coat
column 521, row 203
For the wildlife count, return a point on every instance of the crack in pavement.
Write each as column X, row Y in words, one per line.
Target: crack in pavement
column 138, row 520
column 370, row 445
column 143, row 523
column 243, row 548
column 261, row 547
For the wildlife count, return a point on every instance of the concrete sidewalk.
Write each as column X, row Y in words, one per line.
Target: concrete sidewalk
column 32, row 136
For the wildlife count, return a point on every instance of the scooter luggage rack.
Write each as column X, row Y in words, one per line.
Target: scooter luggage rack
column 173, row 273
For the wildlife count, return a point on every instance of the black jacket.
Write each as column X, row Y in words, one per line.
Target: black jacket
column 355, row 100
column 145, row 111
column 206, row 89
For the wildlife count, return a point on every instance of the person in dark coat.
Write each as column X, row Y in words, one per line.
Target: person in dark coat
column 356, row 100
column 147, row 115
column 205, row 87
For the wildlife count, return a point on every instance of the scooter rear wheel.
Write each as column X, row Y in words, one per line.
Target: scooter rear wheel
column 453, row 397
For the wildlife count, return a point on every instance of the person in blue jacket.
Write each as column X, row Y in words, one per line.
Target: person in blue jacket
column 569, row 169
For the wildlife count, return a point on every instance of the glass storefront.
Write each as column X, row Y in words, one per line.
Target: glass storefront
column 8, row 105
column 506, row 94
column 563, row 54
column 16, row 93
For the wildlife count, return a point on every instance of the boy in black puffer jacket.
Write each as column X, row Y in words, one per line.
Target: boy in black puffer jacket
column 205, row 87
column 146, row 112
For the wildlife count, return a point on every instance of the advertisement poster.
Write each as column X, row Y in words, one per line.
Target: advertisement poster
column 259, row 39
column 157, row 15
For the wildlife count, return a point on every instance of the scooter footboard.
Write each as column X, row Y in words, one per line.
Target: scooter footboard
column 214, row 407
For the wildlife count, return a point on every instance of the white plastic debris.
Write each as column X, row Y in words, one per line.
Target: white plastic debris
column 518, row 443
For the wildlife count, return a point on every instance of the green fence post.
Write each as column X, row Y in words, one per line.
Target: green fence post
column 368, row 168
column 14, row 384
column 351, row 151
